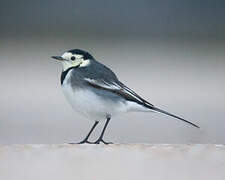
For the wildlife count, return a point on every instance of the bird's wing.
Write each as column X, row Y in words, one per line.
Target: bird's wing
column 130, row 91
column 118, row 88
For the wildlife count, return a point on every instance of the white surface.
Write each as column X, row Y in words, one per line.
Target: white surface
column 81, row 162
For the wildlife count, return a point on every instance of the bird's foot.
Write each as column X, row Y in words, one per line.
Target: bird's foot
column 85, row 141
column 101, row 140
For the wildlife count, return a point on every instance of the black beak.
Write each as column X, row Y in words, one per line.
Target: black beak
column 58, row 58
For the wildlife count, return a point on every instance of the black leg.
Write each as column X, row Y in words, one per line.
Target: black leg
column 86, row 138
column 100, row 139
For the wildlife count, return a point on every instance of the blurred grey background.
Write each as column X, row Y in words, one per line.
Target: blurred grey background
column 170, row 52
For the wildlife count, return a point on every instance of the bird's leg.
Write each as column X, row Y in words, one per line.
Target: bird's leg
column 88, row 135
column 100, row 139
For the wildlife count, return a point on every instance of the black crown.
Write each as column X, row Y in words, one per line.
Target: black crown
column 85, row 54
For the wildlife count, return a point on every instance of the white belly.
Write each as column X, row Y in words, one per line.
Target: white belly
column 94, row 107
column 91, row 105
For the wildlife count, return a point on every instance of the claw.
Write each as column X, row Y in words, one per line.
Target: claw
column 83, row 142
column 101, row 140
column 96, row 142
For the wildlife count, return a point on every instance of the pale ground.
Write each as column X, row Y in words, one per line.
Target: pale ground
column 122, row 161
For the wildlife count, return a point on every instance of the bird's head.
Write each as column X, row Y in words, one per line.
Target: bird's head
column 74, row 58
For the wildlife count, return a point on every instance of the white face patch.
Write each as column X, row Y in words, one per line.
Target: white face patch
column 78, row 61
column 85, row 63
column 68, row 55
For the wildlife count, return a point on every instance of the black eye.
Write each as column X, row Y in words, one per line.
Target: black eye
column 72, row 58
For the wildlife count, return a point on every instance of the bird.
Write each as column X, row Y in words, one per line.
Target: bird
column 95, row 91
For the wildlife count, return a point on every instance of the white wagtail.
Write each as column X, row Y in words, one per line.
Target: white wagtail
column 95, row 91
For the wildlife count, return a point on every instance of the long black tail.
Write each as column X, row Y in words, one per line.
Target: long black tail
column 169, row 114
